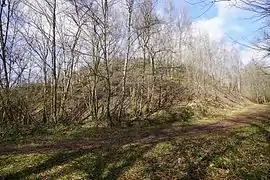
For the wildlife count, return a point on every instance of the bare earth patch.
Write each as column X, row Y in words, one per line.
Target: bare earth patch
column 209, row 151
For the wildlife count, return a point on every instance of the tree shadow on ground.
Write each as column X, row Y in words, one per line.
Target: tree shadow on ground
column 105, row 163
column 228, row 155
column 56, row 160
column 107, row 157
column 257, row 121
column 199, row 170
column 111, row 162
column 95, row 137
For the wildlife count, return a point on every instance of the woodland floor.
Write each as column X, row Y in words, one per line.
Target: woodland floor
column 235, row 147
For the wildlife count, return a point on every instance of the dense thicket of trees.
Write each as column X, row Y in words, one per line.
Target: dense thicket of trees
column 109, row 61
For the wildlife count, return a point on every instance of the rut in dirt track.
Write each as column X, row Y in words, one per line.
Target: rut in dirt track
column 253, row 114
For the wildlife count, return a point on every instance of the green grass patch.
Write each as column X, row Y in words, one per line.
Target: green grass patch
column 238, row 153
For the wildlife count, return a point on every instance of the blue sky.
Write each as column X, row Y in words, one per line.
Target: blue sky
column 234, row 22
column 225, row 22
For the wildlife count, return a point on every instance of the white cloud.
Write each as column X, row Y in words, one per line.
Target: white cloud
column 227, row 10
column 218, row 26
column 247, row 56
column 253, row 54
column 226, row 22
column 212, row 26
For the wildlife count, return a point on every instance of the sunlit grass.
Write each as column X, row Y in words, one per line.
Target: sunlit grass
column 10, row 164
column 238, row 153
column 160, row 149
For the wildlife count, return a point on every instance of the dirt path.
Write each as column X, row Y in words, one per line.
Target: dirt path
column 249, row 116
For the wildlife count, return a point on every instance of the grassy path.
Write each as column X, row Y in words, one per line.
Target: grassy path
column 236, row 147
